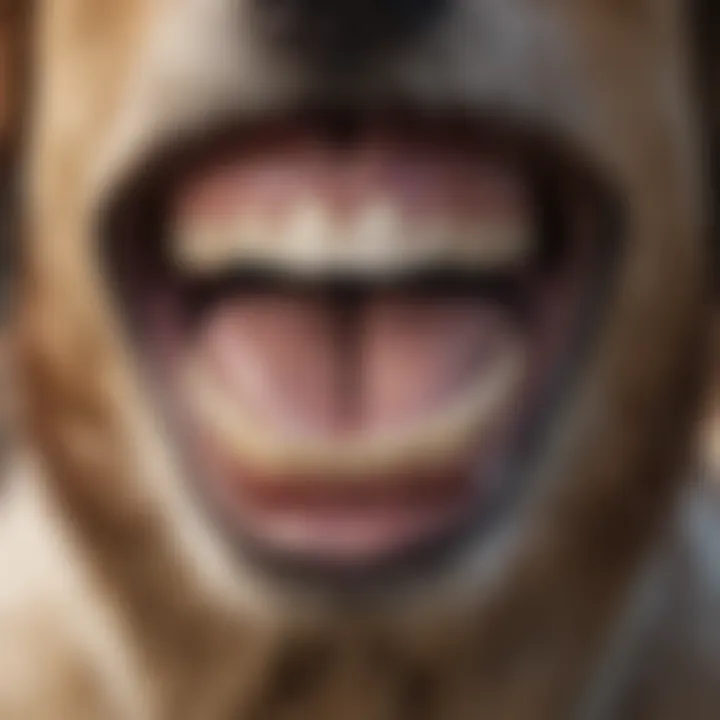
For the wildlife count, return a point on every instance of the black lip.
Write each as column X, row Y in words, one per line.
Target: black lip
column 136, row 210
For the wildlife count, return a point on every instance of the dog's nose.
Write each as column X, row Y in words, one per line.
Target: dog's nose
column 342, row 33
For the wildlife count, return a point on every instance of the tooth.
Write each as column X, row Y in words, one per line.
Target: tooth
column 434, row 231
column 461, row 238
column 377, row 234
column 499, row 242
column 207, row 245
column 487, row 243
column 198, row 245
column 309, row 233
column 246, row 234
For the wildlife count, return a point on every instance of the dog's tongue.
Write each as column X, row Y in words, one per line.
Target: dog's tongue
column 315, row 365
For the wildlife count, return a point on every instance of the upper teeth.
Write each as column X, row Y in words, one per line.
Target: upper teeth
column 376, row 238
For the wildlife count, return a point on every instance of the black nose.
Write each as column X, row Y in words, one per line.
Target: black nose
column 343, row 33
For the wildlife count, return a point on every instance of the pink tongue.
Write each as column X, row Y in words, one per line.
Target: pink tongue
column 302, row 365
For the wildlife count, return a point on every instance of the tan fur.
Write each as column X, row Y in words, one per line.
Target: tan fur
column 120, row 600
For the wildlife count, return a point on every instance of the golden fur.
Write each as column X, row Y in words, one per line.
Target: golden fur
column 118, row 600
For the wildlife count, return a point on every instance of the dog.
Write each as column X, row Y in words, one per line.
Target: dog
column 360, row 349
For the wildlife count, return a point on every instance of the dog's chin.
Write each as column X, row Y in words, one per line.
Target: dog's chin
column 361, row 330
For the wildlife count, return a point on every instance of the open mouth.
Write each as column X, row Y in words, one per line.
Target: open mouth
column 355, row 326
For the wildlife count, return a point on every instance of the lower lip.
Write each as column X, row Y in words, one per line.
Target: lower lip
column 345, row 526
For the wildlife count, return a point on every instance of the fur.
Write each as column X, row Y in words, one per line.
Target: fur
column 121, row 602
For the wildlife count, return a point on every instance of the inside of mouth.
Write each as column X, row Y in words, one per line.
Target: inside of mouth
column 337, row 288
column 349, row 307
